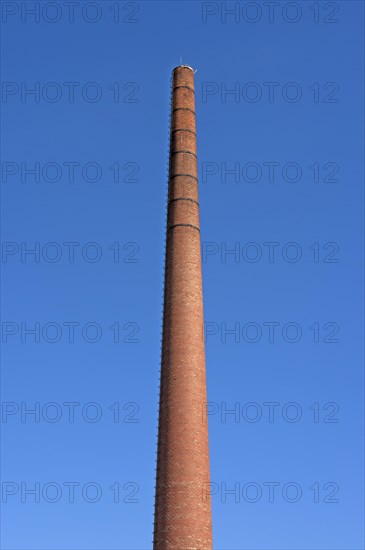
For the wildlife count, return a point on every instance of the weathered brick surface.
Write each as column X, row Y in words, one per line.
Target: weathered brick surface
column 183, row 118
column 182, row 97
column 182, row 515
column 183, row 163
column 183, row 140
column 181, row 186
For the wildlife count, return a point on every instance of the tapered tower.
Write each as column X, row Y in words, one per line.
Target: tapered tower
column 182, row 504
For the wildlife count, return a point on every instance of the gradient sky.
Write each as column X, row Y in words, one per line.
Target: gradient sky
column 96, row 133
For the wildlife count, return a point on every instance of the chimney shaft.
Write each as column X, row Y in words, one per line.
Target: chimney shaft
column 182, row 502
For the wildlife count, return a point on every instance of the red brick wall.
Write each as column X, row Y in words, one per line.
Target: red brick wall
column 182, row 515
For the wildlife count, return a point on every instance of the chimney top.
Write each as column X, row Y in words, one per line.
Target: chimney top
column 183, row 67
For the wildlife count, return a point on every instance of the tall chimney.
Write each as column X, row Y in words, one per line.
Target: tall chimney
column 182, row 502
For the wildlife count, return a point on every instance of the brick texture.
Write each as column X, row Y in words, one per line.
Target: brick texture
column 182, row 515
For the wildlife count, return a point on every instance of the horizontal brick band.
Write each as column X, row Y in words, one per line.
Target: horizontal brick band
column 184, row 175
column 187, row 87
column 183, row 225
column 184, row 199
column 183, row 130
column 183, row 109
column 184, row 151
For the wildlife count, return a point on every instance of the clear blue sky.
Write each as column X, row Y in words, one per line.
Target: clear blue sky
column 293, row 131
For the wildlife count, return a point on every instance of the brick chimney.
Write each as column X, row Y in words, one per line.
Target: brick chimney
column 182, row 502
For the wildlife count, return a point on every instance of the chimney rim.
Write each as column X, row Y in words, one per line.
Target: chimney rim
column 183, row 67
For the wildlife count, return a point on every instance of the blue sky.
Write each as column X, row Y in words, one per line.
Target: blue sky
column 279, row 93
